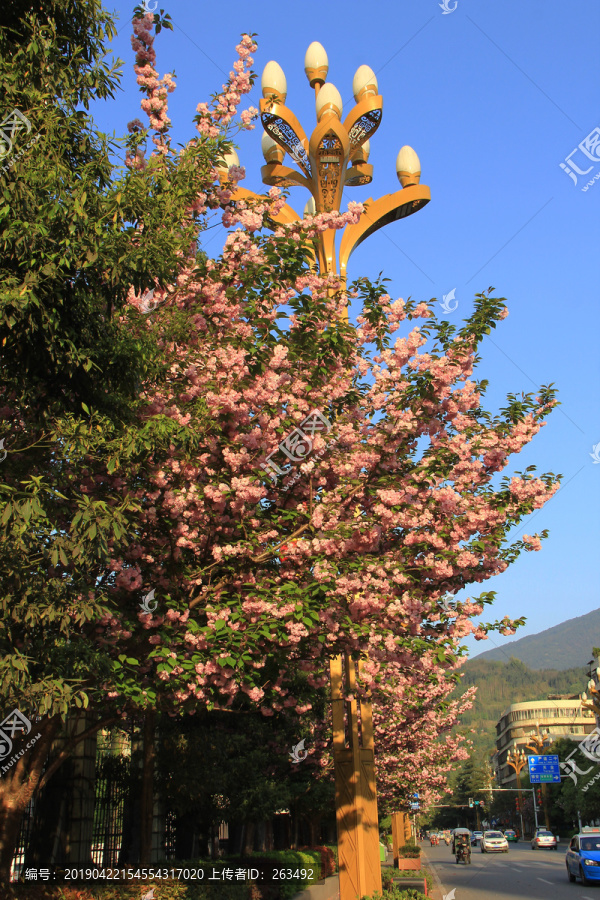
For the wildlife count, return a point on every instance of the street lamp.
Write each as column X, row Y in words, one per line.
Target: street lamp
column 537, row 742
column 517, row 761
column 333, row 158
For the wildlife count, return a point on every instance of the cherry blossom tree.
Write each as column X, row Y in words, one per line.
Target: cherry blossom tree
column 289, row 486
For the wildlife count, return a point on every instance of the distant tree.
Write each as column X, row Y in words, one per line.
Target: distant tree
column 580, row 791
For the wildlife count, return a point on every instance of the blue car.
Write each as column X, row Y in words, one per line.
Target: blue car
column 583, row 857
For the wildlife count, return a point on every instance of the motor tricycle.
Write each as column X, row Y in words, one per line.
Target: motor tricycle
column 461, row 846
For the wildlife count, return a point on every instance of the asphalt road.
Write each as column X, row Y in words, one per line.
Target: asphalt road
column 520, row 874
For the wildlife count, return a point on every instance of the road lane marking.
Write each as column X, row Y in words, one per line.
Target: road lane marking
column 546, row 882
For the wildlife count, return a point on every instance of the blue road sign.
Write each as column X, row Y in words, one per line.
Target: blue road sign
column 544, row 769
column 415, row 805
column 416, row 796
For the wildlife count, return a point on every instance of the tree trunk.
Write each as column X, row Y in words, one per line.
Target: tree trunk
column 269, row 843
column 18, row 786
column 315, row 830
column 248, row 838
column 147, row 799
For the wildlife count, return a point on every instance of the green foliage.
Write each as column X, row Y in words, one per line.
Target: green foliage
column 206, row 788
column 71, row 243
column 396, row 892
column 410, row 850
column 328, row 860
column 569, row 798
column 163, row 890
column 294, row 859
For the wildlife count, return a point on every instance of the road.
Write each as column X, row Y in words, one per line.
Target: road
column 520, row 874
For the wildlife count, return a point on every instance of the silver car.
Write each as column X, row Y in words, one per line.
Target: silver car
column 493, row 842
column 544, row 840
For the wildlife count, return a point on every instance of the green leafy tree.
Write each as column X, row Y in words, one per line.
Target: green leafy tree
column 74, row 235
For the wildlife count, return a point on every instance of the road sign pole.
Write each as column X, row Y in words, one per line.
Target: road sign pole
column 534, row 809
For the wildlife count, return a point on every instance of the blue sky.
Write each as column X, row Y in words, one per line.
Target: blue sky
column 493, row 97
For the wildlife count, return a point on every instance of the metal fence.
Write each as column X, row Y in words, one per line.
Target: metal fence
column 112, row 788
column 100, row 824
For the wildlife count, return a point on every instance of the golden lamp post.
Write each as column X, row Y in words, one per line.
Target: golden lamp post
column 333, row 158
column 517, row 761
column 538, row 741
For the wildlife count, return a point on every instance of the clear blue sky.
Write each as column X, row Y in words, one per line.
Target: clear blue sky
column 493, row 97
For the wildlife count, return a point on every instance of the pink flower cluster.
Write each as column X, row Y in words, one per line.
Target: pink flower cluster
column 155, row 103
column 211, row 122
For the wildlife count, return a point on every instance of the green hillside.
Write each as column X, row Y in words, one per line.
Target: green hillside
column 563, row 646
column 501, row 683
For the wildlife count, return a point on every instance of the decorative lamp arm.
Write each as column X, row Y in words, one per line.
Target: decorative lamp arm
column 379, row 213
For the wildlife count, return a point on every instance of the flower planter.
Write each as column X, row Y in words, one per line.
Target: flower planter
column 409, row 864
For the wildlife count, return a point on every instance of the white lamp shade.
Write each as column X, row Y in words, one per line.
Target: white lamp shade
column 329, row 99
column 267, row 143
column 273, row 81
column 316, row 57
column 364, row 82
column 311, row 208
column 408, row 167
column 407, row 161
column 366, row 150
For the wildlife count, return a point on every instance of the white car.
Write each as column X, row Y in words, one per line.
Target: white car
column 493, row 842
column 476, row 837
column 544, row 839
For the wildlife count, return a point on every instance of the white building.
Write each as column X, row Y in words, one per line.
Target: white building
column 561, row 715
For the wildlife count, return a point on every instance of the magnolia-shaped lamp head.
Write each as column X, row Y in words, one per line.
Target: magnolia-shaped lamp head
column 408, row 167
column 272, row 152
column 316, row 64
column 361, row 154
column 364, row 83
column 311, row 208
column 329, row 102
column 273, row 82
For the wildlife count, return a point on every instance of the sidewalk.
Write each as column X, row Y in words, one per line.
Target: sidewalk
column 330, row 890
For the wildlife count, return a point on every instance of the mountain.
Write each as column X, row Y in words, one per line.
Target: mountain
column 565, row 646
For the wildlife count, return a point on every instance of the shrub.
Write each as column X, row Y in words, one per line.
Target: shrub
column 293, row 859
column 387, row 878
column 334, row 850
column 397, row 893
column 328, row 860
column 410, row 850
